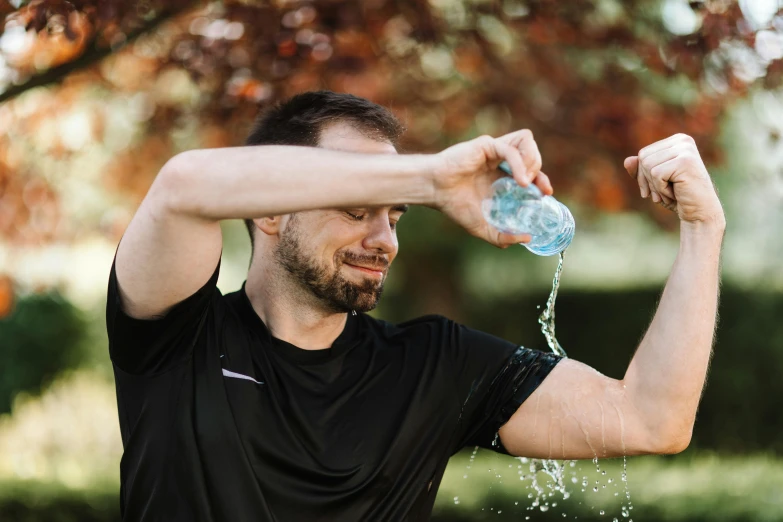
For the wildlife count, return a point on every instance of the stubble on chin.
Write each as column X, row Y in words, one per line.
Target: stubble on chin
column 329, row 286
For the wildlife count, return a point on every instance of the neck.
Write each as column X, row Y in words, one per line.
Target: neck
column 290, row 314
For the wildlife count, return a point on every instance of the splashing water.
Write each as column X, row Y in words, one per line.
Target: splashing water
column 554, row 469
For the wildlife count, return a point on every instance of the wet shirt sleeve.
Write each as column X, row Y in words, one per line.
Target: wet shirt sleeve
column 493, row 378
column 152, row 346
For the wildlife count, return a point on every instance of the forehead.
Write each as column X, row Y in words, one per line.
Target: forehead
column 343, row 136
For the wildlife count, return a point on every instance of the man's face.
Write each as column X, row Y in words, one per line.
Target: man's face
column 342, row 256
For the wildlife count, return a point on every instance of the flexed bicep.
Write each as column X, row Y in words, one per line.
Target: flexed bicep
column 578, row 413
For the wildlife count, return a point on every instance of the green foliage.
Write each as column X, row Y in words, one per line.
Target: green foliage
column 42, row 337
column 685, row 488
column 27, row 501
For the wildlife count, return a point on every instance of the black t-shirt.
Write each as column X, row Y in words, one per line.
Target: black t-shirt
column 222, row 422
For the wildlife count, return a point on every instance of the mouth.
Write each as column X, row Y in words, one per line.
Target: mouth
column 370, row 271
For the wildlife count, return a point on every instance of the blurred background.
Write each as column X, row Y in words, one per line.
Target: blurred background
column 96, row 95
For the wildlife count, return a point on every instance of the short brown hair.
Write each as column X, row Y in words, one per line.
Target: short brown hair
column 300, row 120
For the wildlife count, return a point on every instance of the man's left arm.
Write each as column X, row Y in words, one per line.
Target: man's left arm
column 579, row 413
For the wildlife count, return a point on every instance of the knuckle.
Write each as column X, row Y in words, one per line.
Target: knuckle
column 526, row 134
column 687, row 157
column 686, row 138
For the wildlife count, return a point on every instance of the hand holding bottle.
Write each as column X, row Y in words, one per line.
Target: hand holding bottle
column 465, row 172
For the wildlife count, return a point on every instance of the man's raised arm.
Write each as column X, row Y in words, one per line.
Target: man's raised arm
column 579, row 413
column 173, row 243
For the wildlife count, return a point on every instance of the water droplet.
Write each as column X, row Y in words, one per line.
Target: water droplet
column 601, row 512
column 595, row 489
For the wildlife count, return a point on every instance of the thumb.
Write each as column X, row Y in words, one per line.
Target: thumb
column 505, row 240
column 631, row 163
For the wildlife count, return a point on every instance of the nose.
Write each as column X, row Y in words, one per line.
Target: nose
column 381, row 238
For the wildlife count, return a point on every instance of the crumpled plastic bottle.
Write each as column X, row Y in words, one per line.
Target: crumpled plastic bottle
column 525, row 210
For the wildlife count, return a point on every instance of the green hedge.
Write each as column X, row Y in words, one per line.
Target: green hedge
column 691, row 487
column 43, row 336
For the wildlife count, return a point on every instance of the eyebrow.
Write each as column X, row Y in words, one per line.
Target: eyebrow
column 400, row 208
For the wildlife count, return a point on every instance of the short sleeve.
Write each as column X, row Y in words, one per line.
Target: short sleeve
column 152, row 346
column 493, row 378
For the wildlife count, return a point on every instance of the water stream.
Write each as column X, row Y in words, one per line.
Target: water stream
column 556, row 471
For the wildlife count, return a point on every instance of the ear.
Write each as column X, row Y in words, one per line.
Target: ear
column 270, row 226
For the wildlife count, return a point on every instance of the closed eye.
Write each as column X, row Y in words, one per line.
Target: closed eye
column 355, row 217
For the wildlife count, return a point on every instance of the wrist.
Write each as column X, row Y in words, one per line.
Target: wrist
column 712, row 224
column 432, row 169
column 703, row 233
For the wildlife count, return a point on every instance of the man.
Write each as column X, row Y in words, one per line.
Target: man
column 285, row 401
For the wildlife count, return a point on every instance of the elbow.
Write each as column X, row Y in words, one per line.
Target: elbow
column 168, row 192
column 671, row 442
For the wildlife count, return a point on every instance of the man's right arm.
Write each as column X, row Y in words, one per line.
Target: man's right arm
column 173, row 243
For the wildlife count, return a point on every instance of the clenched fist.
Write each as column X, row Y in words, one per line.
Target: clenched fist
column 672, row 172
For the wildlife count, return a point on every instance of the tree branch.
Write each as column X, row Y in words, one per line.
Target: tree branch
column 93, row 54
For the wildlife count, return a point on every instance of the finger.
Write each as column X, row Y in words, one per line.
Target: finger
column 523, row 140
column 661, row 174
column 542, row 181
column 651, row 183
column 530, row 153
column 514, row 160
column 666, row 201
column 658, row 174
column 661, row 156
column 505, row 240
column 631, row 164
column 659, row 185
column 644, row 187
column 665, row 144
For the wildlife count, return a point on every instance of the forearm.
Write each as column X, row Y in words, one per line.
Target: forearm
column 259, row 181
column 666, row 377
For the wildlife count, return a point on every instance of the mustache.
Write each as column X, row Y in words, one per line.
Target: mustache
column 379, row 262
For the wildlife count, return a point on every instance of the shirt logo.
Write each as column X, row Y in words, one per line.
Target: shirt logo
column 235, row 375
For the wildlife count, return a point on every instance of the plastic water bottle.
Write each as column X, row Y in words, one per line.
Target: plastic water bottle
column 525, row 210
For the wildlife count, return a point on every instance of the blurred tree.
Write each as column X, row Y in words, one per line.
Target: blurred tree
column 595, row 80
column 42, row 337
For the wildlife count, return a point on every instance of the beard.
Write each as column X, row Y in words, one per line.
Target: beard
column 338, row 294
